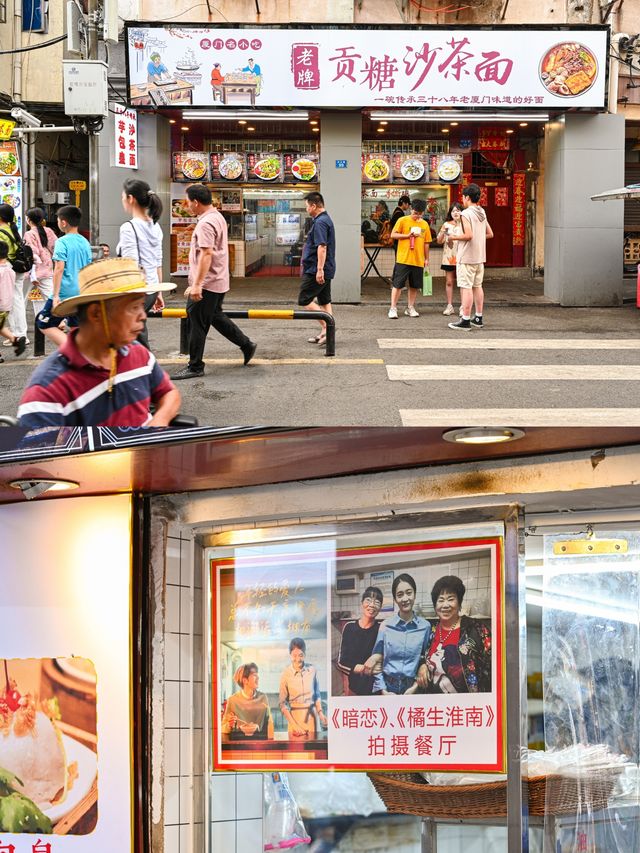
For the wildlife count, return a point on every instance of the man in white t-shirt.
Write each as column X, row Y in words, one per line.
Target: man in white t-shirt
column 472, row 254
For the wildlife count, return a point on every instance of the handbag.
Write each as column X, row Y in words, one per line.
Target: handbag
column 427, row 283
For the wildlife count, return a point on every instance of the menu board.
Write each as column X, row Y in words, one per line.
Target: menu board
column 190, row 166
column 183, row 243
column 180, row 214
column 301, row 166
column 376, row 169
column 445, row 168
column 10, row 178
column 410, row 168
column 265, row 168
column 228, row 166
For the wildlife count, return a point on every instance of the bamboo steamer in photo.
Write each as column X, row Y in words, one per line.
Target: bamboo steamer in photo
column 73, row 682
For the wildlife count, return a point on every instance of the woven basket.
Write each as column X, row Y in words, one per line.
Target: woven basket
column 409, row 793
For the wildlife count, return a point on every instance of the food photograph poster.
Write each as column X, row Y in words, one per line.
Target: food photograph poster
column 348, row 655
column 65, row 684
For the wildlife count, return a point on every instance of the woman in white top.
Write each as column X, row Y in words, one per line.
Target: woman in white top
column 451, row 225
column 141, row 239
column 41, row 239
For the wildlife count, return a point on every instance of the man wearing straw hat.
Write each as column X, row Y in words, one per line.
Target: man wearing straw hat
column 101, row 376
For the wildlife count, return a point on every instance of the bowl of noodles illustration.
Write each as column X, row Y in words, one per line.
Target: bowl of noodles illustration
column 568, row 69
column 376, row 169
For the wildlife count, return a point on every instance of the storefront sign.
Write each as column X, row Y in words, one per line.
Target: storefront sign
column 519, row 208
column 126, row 139
column 397, row 667
column 10, row 178
column 6, row 128
column 65, row 684
column 497, row 68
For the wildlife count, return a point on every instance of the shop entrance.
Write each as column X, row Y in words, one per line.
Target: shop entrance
column 498, row 203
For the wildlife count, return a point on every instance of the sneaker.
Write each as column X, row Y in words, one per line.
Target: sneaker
column 249, row 351
column 477, row 323
column 393, row 314
column 411, row 311
column 187, row 373
column 7, row 343
column 19, row 345
column 449, row 310
column 464, row 325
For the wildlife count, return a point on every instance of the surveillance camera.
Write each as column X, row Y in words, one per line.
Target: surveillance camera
column 25, row 118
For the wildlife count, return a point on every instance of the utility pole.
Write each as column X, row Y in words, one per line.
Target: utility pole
column 94, row 153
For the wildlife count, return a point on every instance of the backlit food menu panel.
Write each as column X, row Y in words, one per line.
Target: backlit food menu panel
column 65, row 684
column 228, row 166
column 190, row 166
column 10, row 178
column 266, row 168
column 410, row 168
column 376, row 169
column 302, row 167
column 445, row 168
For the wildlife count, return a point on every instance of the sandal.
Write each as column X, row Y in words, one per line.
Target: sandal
column 315, row 339
column 321, row 340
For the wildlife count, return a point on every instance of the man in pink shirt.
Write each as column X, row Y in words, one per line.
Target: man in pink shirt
column 208, row 283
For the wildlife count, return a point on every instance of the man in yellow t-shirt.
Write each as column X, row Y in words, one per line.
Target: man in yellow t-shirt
column 413, row 235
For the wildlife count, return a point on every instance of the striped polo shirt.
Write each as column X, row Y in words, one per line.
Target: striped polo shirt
column 68, row 390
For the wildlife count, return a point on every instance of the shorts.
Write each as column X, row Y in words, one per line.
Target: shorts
column 448, row 267
column 45, row 319
column 402, row 272
column 470, row 275
column 310, row 290
column 4, row 316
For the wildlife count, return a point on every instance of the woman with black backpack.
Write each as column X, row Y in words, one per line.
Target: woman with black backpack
column 10, row 235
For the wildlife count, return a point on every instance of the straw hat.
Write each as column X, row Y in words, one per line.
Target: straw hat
column 109, row 279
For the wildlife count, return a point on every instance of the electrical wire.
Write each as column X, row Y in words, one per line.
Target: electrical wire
column 184, row 12
column 35, row 46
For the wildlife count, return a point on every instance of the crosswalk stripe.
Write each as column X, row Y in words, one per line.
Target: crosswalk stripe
column 513, row 372
column 474, row 341
column 278, row 361
column 519, row 417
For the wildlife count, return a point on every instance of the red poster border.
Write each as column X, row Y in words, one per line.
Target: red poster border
column 499, row 766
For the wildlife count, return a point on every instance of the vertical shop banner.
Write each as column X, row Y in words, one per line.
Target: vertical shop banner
column 65, row 686
column 386, row 656
column 173, row 65
column 11, row 178
column 126, row 139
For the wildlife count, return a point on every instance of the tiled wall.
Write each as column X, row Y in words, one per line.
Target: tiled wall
column 235, row 798
column 183, row 718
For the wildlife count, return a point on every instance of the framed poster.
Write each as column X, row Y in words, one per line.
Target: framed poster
column 398, row 667
column 65, row 678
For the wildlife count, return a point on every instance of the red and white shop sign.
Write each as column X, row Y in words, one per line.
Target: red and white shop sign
column 126, row 139
column 497, row 68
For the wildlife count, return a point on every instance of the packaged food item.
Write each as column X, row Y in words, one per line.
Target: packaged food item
column 283, row 826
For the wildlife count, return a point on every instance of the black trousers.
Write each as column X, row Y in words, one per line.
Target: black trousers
column 202, row 315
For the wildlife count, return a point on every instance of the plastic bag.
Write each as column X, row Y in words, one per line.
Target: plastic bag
column 427, row 283
column 283, row 826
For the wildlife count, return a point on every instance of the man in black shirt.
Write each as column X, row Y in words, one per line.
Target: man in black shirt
column 358, row 640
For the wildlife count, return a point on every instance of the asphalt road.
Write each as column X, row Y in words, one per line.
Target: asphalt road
column 529, row 365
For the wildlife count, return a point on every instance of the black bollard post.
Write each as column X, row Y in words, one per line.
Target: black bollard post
column 185, row 332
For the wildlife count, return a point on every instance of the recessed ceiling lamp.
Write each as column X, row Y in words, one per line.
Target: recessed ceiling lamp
column 184, row 127
column 483, row 435
column 384, row 122
column 242, row 121
column 381, row 130
column 454, row 124
column 36, row 487
column 445, row 130
column 524, row 124
column 313, row 121
column 172, row 121
column 251, row 128
column 315, row 129
column 509, row 130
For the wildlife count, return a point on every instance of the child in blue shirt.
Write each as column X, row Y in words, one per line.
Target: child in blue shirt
column 71, row 253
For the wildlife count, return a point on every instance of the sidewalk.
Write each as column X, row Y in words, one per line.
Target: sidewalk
column 283, row 291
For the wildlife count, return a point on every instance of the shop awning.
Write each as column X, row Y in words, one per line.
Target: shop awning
column 626, row 193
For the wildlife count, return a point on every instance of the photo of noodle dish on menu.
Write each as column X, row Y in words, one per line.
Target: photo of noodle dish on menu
column 568, row 69
column 48, row 746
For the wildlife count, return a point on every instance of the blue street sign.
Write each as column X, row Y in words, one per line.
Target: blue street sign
column 341, row 164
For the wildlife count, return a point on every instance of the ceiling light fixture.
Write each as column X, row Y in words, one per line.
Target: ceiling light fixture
column 313, row 121
column 315, row 129
column 445, row 130
column 509, row 130
column 184, row 127
column 381, row 130
column 524, row 124
column 384, row 122
column 242, row 121
column 251, row 128
column 38, row 486
column 172, row 121
column 254, row 115
column 483, row 435
column 455, row 115
column 454, row 124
